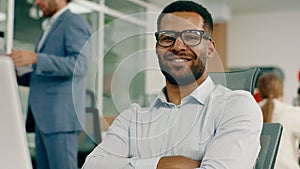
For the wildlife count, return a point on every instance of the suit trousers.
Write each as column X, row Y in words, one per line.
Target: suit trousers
column 56, row 150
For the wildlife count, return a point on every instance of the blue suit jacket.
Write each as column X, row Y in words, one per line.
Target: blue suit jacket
column 58, row 80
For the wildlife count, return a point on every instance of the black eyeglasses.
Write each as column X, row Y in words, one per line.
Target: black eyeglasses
column 189, row 37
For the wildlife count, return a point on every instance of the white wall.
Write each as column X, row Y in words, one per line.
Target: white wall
column 267, row 39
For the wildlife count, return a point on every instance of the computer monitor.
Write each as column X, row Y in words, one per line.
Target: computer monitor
column 14, row 151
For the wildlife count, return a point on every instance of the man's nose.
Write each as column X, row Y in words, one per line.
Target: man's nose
column 178, row 44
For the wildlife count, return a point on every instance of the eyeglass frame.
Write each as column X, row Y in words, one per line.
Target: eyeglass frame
column 203, row 34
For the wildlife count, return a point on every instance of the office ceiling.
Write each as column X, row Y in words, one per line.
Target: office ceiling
column 248, row 6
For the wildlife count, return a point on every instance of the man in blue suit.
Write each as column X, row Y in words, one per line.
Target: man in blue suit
column 57, row 84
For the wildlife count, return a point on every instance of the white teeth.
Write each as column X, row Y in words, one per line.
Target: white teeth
column 178, row 60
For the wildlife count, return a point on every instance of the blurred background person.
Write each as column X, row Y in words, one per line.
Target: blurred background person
column 296, row 100
column 299, row 96
column 57, row 84
column 270, row 88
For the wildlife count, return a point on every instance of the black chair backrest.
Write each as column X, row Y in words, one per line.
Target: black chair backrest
column 237, row 80
column 90, row 100
column 269, row 140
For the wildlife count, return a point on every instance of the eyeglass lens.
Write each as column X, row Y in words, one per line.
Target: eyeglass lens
column 189, row 37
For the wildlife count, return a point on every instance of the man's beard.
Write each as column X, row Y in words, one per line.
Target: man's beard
column 51, row 10
column 195, row 73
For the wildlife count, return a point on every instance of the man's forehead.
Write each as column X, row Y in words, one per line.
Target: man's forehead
column 189, row 20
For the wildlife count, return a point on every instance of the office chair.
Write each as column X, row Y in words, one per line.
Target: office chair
column 269, row 140
column 91, row 136
column 237, row 80
column 263, row 69
column 271, row 132
column 90, row 99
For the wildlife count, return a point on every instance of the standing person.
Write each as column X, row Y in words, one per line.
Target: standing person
column 270, row 88
column 57, row 84
column 193, row 123
column 298, row 96
column 298, row 92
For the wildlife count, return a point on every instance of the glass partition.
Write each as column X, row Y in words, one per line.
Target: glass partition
column 123, row 79
column 117, row 62
column 92, row 80
column 126, row 7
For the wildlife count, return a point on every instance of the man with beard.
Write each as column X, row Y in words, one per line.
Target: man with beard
column 193, row 123
column 57, row 84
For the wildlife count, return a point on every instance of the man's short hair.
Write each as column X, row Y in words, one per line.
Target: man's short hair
column 188, row 6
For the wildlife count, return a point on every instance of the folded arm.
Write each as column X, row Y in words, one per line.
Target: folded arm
column 177, row 162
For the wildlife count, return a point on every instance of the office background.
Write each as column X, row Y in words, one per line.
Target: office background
column 256, row 34
column 269, row 38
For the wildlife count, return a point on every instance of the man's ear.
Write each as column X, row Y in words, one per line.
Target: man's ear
column 156, row 45
column 211, row 49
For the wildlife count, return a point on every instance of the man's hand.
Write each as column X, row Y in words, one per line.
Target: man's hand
column 23, row 57
column 177, row 162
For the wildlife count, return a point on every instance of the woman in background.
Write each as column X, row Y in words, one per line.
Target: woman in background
column 270, row 88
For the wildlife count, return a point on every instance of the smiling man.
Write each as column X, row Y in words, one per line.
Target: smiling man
column 193, row 123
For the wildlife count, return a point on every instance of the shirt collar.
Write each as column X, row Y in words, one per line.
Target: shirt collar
column 201, row 93
column 162, row 95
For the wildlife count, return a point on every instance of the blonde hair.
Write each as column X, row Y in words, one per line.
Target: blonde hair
column 270, row 87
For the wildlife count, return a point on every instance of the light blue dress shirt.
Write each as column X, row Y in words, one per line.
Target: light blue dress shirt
column 214, row 125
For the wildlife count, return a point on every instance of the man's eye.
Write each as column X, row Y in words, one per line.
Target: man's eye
column 167, row 38
column 191, row 38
